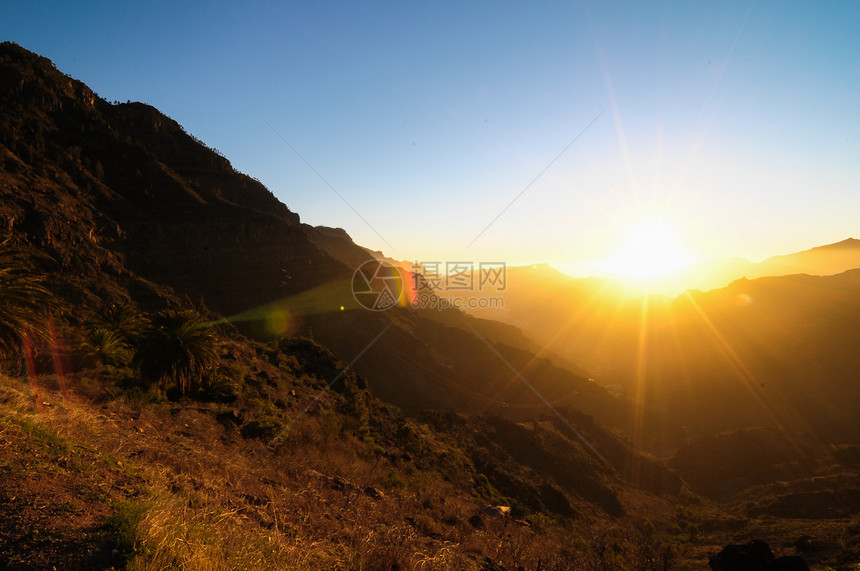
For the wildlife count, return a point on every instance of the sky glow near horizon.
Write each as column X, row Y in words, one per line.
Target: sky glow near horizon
column 737, row 123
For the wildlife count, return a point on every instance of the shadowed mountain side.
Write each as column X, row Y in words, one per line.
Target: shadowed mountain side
column 547, row 446
column 783, row 348
column 418, row 362
column 720, row 466
column 125, row 190
column 499, row 332
column 339, row 245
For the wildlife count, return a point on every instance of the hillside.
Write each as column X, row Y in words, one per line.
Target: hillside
column 107, row 190
column 822, row 260
column 342, row 481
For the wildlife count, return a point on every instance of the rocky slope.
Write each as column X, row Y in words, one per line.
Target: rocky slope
column 122, row 190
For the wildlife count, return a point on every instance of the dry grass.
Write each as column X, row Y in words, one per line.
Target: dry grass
column 213, row 505
column 204, row 498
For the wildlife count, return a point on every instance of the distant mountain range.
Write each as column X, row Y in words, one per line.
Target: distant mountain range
column 823, row 260
column 770, row 351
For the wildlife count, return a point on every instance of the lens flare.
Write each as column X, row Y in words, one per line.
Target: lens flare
column 278, row 321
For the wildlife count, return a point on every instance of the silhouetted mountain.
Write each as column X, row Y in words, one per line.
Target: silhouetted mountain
column 716, row 273
column 339, row 245
column 823, row 260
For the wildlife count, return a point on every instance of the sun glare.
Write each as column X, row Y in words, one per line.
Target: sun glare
column 650, row 252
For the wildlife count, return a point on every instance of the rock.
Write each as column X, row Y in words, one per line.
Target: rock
column 338, row 483
column 555, row 500
column 754, row 556
column 791, row 563
column 490, row 565
column 497, row 511
column 374, row 493
column 254, row 500
column 805, row 544
column 333, row 482
column 231, row 416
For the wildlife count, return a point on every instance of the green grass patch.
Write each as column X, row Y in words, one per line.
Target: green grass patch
column 43, row 433
column 122, row 526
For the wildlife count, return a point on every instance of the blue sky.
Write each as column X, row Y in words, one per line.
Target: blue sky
column 736, row 122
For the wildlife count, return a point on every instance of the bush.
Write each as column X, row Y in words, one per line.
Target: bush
column 106, row 348
column 24, row 302
column 266, row 422
column 175, row 346
column 219, row 386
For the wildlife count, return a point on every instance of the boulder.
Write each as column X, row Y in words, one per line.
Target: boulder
column 754, row 556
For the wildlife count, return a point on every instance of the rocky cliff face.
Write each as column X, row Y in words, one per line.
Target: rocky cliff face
column 123, row 191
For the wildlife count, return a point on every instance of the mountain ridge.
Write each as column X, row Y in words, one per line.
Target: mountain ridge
column 100, row 151
column 828, row 259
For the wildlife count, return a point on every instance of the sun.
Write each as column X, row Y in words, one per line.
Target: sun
column 650, row 251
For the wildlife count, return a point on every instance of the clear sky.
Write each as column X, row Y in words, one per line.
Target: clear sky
column 736, row 122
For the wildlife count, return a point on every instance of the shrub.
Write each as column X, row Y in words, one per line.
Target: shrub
column 106, row 348
column 175, row 346
column 122, row 319
column 266, row 422
column 217, row 384
column 24, row 301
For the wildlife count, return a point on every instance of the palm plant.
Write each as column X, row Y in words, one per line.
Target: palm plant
column 175, row 346
column 107, row 347
column 24, row 300
column 122, row 319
